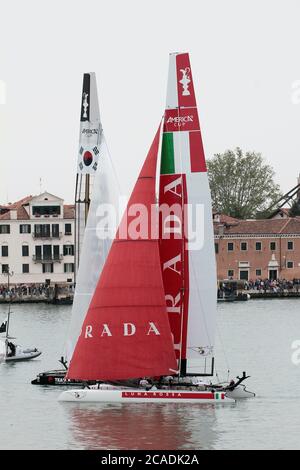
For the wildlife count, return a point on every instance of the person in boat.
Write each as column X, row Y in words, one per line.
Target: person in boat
column 11, row 349
column 231, row 385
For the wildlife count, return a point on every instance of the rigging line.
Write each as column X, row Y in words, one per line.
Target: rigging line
column 183, row 243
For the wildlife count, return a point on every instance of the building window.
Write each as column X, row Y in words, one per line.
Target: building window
column 244, row 246
column 48, row 268
column 258, row 272
column 55, row 230
column 45, row 210
column 25, row 228
column 56, row 254
column 68, row 229
column 38, row 252
column 69, row 267
column 25, row 268
column 25, row 250
column 230, row 273
column 230, row 246
column 42, row 230
column 5, row 268
column 216, row 248
column 290, row 245
column 244, row 275
column 4, row 250
column 69, row 249
column 273, row 246
column 290, row 264
column 258, row 246
column 4, row 229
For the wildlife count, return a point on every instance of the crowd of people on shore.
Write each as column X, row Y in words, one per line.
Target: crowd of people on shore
column 32, row 291
column 273, row 285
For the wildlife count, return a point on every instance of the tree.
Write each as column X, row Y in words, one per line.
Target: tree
column 295, row 209
column 242, row 184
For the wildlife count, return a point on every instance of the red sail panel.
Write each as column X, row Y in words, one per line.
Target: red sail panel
column 181, row 119
column 198, row 163
column 126, row 332
column 174, row 256
column 186, row 93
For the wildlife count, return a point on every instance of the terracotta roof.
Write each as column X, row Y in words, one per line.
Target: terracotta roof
column 264, row 226
column 69, row 210
column 16, row 206
column 223, row 218
column 21, row 202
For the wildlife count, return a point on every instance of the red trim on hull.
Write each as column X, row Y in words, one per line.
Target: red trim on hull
column 177, row 395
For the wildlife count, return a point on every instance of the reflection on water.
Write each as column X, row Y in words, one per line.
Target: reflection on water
column 142, row 426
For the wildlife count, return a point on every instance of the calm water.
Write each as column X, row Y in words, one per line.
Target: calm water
column 256, row 336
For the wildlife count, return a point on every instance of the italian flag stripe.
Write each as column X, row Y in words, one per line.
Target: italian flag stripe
column 167, row 154
column 182, row 152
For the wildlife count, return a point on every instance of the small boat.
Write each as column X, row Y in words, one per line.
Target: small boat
column 55, row 377
column 22, row 354
column 11, row 352
column 152, row 314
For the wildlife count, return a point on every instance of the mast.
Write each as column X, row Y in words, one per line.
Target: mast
column 88, row 155
column 186, row 231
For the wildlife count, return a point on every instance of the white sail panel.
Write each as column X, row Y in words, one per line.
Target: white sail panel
column 172, row 94
column 94, row 247
column 202, row 270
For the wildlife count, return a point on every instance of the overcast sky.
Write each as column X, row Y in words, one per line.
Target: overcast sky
column 245, row 59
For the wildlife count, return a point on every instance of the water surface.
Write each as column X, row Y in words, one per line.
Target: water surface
column 255, row 336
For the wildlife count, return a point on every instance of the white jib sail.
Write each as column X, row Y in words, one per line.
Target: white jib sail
column 96, row 242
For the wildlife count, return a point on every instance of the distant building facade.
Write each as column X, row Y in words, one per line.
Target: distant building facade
column 37, row 240
column 257, row 249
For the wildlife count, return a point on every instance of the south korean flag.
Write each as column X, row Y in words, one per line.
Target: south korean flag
column 88, row 159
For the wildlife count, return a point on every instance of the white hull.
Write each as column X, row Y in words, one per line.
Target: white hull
column 142, row 396
column 240, row 393
column 23, row 356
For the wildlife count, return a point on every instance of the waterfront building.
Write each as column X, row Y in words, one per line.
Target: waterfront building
column 37, row 240
column 257, row 249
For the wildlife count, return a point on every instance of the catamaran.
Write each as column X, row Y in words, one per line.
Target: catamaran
column 148, row 327
column 11, row 352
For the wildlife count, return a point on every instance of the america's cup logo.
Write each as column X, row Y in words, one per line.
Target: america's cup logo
column 185, row 81
column 85, row 104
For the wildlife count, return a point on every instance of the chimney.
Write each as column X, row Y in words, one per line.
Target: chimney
column 13, row 214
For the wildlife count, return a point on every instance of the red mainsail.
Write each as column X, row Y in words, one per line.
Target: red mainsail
column 126, row 332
